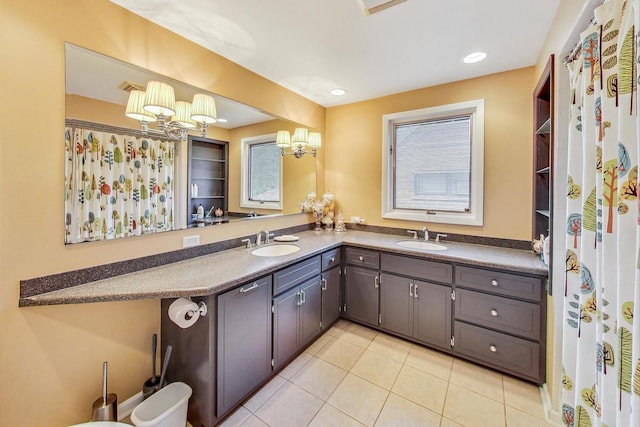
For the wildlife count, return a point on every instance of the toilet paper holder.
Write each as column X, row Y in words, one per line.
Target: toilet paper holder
column 184, row 312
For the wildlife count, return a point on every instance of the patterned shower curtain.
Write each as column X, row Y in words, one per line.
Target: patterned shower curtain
column 116, row 185
column 601, row 321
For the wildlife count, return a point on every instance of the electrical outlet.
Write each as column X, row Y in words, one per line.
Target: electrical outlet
column 190, row 241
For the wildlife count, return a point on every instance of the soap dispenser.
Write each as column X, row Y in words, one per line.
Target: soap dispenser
column 200, row 211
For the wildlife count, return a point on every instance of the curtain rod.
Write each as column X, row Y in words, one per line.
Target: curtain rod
column 101, row 127
column 571, row 56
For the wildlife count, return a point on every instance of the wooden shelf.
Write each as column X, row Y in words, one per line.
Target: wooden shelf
column 546, row 213
column 544, row 170
column 545, row 128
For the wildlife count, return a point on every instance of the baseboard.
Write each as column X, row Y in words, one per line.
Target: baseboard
column 551, row 415
column 126, row 408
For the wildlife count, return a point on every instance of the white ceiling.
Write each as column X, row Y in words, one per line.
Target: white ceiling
column 313, row 46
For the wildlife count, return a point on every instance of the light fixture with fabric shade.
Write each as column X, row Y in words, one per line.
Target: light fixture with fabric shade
column 183, row 115
column 297, row 142
column 203, row 111
column 135, row 107
column 160, row 99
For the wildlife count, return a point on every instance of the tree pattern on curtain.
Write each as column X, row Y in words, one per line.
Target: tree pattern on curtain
column 600, row 357
column 116, row 185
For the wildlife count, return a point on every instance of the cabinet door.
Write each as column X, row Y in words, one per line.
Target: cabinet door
column 310, row 310
column 396, row 304
column 285, row 326
column 330, row 297
column 361, row 295
column 244, row 341
column 432, row 314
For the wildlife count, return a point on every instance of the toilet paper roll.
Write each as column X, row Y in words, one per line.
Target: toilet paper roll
column 184, row 312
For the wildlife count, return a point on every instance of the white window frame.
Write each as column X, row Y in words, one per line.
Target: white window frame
column 245, row 147
column 475, row 215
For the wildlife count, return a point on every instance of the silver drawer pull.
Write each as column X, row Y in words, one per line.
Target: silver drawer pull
column 493, row 348
column 494, row 282
column 299, row 295
column 361, row 258
column 332, row 259
column 252, row 287
column 494, row 313
column 324, row 284
column 411, row 289
column 304, row 298
column 415, row 291
column 376, row 282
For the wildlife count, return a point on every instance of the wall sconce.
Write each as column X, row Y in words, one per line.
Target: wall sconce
column 175, row 118
column 297, row 142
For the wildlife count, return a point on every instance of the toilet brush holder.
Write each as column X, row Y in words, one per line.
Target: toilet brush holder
column 105, row 408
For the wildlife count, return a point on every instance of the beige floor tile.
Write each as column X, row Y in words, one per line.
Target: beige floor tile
column 421, row 388
column 358, row 335
column 448, row 423
column 339, row 327
column 290, row 406
column 319, row 378
column 476, row 378
column 472, row 409
column 258, row 399
column 523, row 396
column 377, row 369
column 237, row 418
column 341, row 353
column 319, row 343
column 400, row 412
column 516, row 418
column 295, row 366
column 430, row 361
column 254, row 421
column 328, row 416
column 359, row 399
column 391, row 347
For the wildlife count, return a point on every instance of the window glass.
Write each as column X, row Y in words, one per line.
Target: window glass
column 264, row 172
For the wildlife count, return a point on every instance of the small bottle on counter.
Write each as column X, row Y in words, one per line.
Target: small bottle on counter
column 200, row 211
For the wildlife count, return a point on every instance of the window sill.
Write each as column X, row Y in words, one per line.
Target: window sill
column 437, row 217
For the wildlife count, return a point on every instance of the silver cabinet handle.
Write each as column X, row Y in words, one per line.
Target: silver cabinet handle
column 299, row 295
column 494, row 282
column 304, row 297
column 324, row 284
column 361, row 258
column 332, row 259
column 376, row 282
column 493, row 348
column 415, row 291
column 411, row 289
column 494, row 313
column 249, row 289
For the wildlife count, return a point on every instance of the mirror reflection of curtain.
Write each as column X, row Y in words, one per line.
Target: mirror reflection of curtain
column 116, row 185
column 601, row 322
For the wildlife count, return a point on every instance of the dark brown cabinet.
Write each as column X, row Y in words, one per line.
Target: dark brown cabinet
column 207, row 176
column 331, row 298
column 244, row 341
column 361, row 295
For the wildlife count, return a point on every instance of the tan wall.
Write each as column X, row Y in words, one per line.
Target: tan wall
column 51, row 357
column 354, row 153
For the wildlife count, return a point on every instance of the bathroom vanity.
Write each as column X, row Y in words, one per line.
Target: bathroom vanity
column 481, row 303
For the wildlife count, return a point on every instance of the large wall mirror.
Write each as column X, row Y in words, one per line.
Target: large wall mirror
column 121, row 181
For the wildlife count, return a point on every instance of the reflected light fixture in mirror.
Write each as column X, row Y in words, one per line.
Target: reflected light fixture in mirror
column 158, row 103
column 297, row 142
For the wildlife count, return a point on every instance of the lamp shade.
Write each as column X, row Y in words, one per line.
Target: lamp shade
column 203, row 109
column 300, row 138
column 283, row 139
column 183, row 115
column 160, row 99
column 315, row 140
column 135, row 107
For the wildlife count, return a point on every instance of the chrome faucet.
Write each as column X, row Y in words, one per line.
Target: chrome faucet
column 425, row 230
column 415, row 234
column 267, row 237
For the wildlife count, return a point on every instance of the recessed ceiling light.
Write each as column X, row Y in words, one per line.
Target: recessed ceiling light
column 474, row 57
column 338, row 92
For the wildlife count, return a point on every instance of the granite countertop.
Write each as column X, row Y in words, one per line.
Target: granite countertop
column 215, row 273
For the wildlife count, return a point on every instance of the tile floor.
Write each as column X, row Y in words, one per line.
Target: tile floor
column 355, row 376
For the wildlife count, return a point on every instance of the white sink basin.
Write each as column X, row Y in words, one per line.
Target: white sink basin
column 421, row 245
column 275, row 250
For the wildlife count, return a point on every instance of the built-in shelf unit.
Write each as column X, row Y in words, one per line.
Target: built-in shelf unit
column 207, row 176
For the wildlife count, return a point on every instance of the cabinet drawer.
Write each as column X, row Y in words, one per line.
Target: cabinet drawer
column 506, row 315
column 298, row 273
column 500, row 283
column 521, row 357
column 330, row 259
column 363, row 257
column 419, row 268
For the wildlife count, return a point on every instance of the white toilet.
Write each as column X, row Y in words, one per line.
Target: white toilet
column 165, row 408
